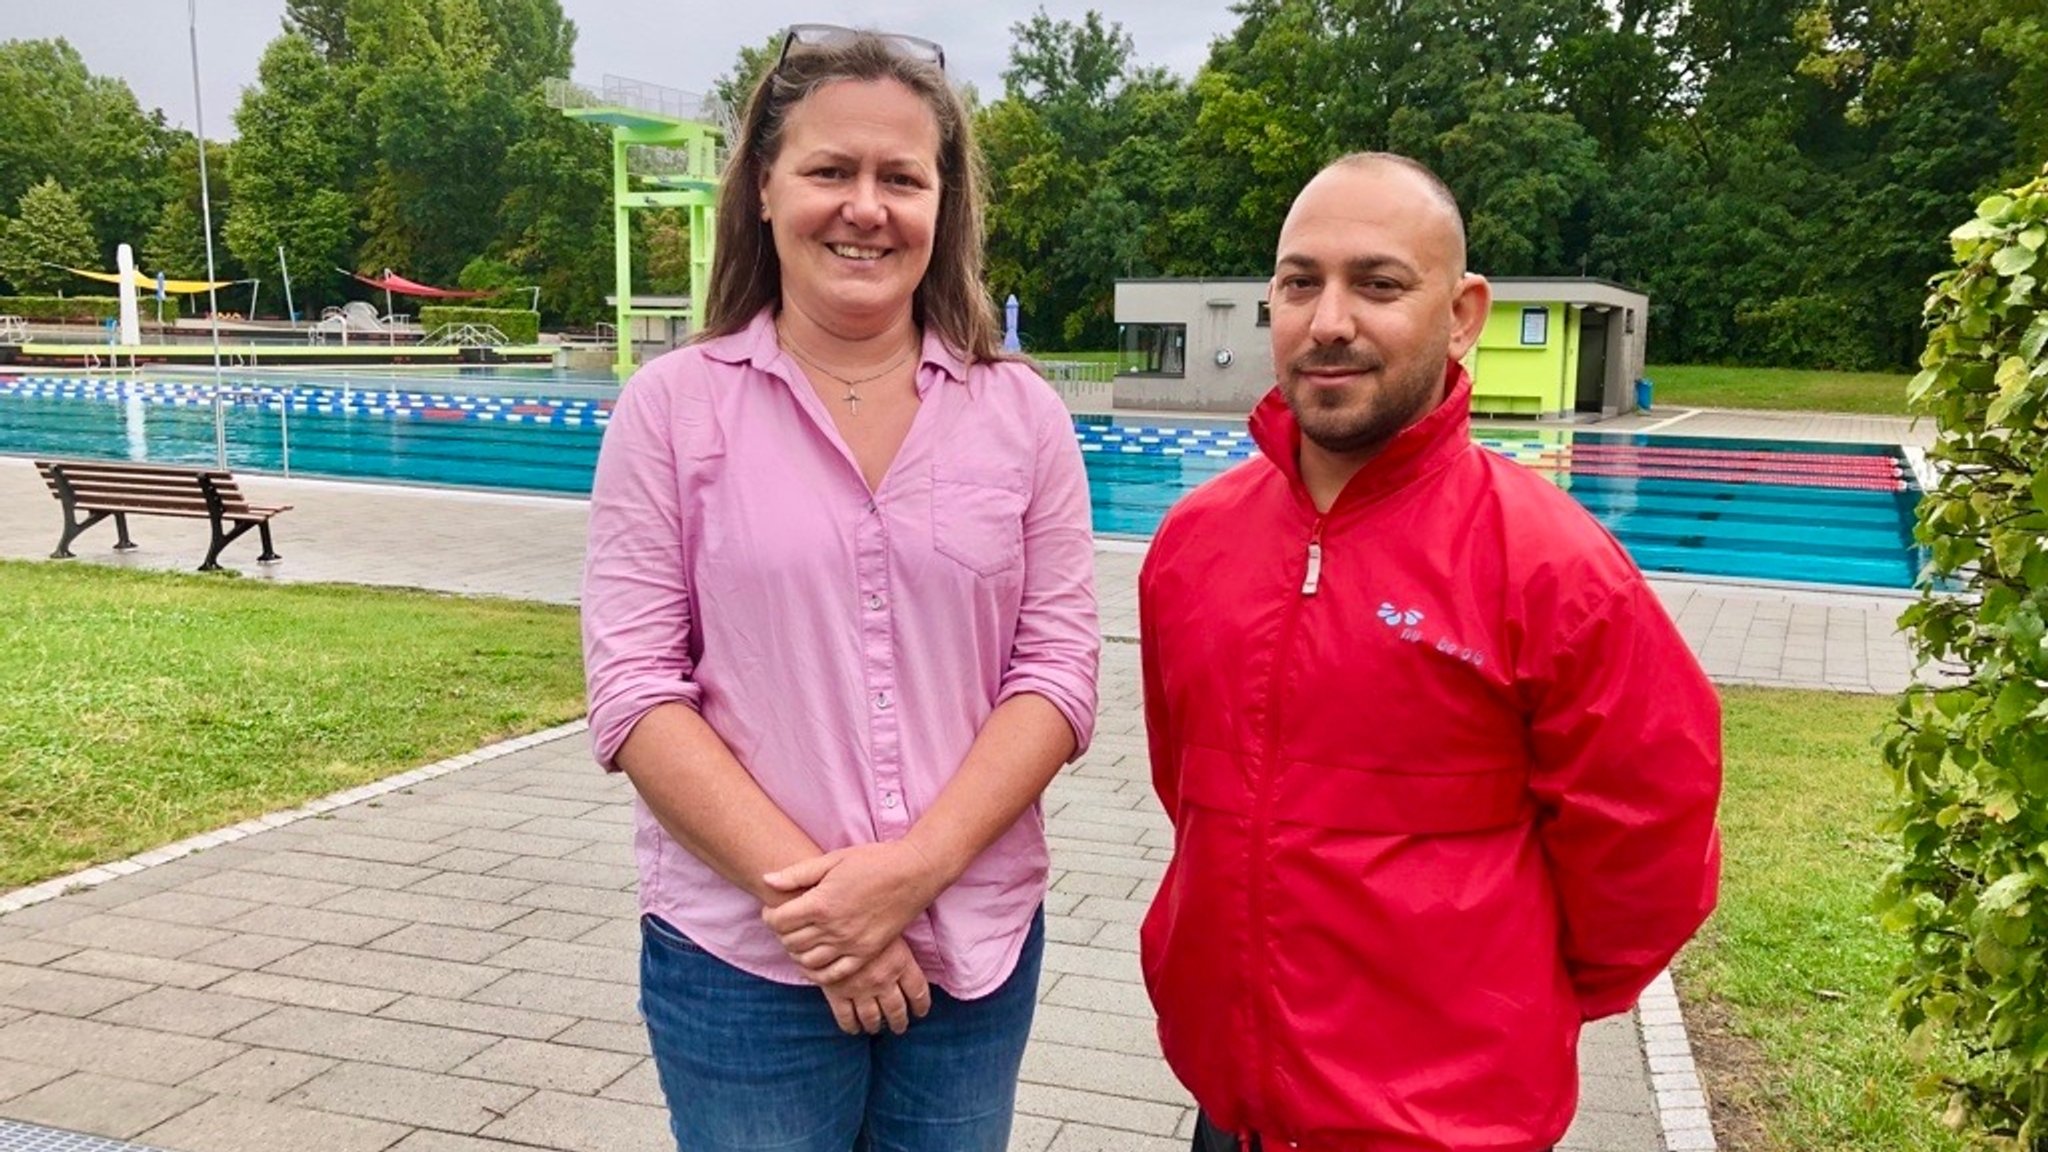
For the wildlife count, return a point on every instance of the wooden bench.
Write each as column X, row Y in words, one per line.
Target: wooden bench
column 92, row 490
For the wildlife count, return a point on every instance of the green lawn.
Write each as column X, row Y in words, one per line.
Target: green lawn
column 1793, row 959
column 1796, row 389
column 144, row 707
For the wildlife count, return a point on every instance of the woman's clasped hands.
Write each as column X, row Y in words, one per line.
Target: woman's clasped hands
column 844, row 923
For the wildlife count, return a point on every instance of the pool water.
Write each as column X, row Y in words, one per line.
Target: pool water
column 1832, row 514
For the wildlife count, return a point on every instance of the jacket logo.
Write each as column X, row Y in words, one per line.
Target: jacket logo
column 1394, row 617
column 1407, row 620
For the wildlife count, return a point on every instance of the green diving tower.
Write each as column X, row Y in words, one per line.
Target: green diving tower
column 668, row 148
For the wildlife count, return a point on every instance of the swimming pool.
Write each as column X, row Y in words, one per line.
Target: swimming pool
column 1836, row 514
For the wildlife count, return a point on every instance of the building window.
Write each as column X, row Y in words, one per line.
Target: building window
column 1535, row 326
column 1265, row 319
column 1154, row 350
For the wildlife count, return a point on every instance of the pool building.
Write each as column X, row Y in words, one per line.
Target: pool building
column 1553, row 347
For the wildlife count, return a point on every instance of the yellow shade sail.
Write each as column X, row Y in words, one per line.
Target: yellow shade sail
column 148, row 283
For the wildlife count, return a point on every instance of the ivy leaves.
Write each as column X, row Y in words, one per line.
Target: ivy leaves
column 1969, row 749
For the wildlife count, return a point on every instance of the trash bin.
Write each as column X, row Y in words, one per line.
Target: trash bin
column 1643, row 394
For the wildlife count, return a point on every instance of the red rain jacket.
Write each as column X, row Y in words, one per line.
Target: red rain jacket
column 1442, row 776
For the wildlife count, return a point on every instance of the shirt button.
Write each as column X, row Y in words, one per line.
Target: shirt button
column 882, row 700
column 874, row 602
column 888, row 799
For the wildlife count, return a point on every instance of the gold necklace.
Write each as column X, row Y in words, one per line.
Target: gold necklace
column 852, row 397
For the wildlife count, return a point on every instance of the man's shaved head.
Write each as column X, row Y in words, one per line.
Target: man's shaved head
column 1432, row 185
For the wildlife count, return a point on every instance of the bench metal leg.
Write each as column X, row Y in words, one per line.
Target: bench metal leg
column 72, row 527
column 124, row 544
column 221, row 539
column 270, row 555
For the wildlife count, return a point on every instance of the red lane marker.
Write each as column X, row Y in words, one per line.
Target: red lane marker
column 534, row 409
column 1718, row 476
column 444, row 414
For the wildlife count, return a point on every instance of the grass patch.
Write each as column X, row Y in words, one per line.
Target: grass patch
column 144, row 707
column 1793, row 963
column 1789, row 389
column 1081, row 357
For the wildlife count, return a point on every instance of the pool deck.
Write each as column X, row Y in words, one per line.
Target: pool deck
column 447, row 965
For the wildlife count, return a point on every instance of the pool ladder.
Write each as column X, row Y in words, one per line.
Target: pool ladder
column 221, row 399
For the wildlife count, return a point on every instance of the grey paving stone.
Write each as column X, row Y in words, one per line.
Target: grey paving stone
column 17, row 1077
column 1117, row 997
column 1098, row 1109
column 315, row 924
column 1109, row 1073
column 470, row 860
column 583, row 1124
column 32, row 953
column 358, row 846
column 405, row 1096
column 529, row 805
column 1083, row 1028
column 65, row 993
column 390, row 971
column 1085, row 1138
column 348, row 1037
column 119, row 933
column 447, row 810
column 474, row 1017
column 259, row 1074
column 469, row 886
column 620, row 935
column 246, row 950
column 336, row 870
column 304, row 993
column 541, row 992
column 185, row 1012
column 255, row 885
column 187, row 907
column 447, row 1142
column 617, row 905
column 229, row 1124
column 610, row 877
column 630, row 1038
column 111, row 1049
column 100, row 1105
column 579, row 960
column 554, row 1067
column 1095, row 962
column 143, row 969
column 1032, row 1133
column 640, row 1085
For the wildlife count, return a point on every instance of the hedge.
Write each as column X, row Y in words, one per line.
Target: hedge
column 520, row 325
column 81, row 309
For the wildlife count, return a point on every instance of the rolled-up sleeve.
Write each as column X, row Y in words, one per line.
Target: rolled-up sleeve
column 636, row 595
column 1057, row 650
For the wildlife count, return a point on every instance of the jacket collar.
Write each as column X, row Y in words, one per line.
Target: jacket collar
column 1414, row 451
column 755, row 345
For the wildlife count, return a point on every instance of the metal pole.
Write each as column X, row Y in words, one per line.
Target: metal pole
column 291, row 314
column 220, row 435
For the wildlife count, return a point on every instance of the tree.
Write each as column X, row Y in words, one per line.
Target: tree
column 60, row 122
column 288, row 174
column 177, row 244
column 51, row 228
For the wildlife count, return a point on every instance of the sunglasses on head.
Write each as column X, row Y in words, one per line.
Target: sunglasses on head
column 802, row 37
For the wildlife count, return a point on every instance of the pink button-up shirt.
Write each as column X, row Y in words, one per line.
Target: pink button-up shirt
column 846, row 645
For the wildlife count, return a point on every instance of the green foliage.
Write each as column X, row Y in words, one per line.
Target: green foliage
column 83, row 309
column 519, row 325
column 289, row 173
column 51, row 228
column 1970, row 753
column 60, row 122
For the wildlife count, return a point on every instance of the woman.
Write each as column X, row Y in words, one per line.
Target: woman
column 839, row 629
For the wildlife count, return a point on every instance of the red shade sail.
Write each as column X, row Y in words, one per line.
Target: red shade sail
column 392, row 282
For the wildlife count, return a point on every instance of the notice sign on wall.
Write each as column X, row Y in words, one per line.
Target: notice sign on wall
column 1535, row 326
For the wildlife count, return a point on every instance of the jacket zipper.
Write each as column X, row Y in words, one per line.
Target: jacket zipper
column 1262, row 819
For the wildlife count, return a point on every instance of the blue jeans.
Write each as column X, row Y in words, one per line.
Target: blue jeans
column 750, row 1065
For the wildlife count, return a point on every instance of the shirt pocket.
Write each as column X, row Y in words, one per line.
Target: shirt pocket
column 978, row 515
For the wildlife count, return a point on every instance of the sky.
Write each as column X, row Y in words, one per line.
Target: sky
column 686, row 44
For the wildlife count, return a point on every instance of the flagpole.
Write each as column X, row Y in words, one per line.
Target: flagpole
column 220, row 440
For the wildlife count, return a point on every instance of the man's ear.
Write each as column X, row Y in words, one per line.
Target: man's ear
column 1470, row 305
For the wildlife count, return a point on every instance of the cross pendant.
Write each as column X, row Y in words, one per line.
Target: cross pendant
column 852, row 399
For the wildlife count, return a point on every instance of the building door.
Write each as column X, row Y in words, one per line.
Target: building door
column 1592, row 386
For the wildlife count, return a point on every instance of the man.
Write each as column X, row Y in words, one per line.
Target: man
column 1441, row 771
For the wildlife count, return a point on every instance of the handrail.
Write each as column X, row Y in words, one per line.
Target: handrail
column 467, row 336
